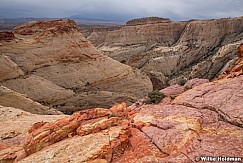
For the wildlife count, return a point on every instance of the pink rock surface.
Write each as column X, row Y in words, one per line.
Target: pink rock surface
column 195, row 82
column 173, row 90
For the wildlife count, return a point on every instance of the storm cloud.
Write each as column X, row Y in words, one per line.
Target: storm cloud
column 121, row 10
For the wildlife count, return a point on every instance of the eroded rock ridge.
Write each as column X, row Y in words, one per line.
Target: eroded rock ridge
column 52, row 63
column 173, row 52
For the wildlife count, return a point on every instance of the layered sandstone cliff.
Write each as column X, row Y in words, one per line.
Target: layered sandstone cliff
column 173, row 52
column 201, row 118
column 53, row 64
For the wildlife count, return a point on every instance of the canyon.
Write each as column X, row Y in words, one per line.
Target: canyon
column 53, row 64
column 205, row 120
column 172, row 52
column 64, row 100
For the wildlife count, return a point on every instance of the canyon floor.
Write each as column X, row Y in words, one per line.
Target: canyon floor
column 63, row 99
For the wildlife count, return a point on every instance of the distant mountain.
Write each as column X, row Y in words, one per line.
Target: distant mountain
column 9, row 24
column 90, row 21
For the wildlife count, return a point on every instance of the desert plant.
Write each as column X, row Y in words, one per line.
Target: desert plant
column 154, row 97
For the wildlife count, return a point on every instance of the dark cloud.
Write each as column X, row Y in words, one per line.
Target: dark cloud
column 121, row 10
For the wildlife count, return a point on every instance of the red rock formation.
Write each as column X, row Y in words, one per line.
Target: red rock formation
column 202, row 121
column 44, row 134
column 97, row 126
column 122, row 110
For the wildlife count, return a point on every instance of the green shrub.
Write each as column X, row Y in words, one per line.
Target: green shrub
column 147, row 101
column 154, row 97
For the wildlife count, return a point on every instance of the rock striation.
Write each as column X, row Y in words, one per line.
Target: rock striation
column 198, row 119
column 14, row 125
column 173, row 52
column 6, row 36
column 201, row 121
column 8, row 69
column 53, row 64
column 237, row 69
column 9, row 98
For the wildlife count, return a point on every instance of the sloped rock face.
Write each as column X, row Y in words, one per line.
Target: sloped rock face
column 203, row 121
column 8, row 69
column 237, row 69
column 221, row 96
column 53, row 64
column 195, row 82
column 39, row 89
column 174, row 52
column 9, row 98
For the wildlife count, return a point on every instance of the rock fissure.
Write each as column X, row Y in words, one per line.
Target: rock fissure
column 157, row 146
column 200, row 118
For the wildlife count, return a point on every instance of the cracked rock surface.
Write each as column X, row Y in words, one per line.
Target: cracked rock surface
column 203, row 121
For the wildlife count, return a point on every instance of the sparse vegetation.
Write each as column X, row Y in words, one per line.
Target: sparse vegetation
column 154, row 97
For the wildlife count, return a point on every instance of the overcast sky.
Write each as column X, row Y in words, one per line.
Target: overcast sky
column 121, row 9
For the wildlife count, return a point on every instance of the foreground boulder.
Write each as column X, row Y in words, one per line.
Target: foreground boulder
column 14, row 125
column 202, row 121
column 53, row 64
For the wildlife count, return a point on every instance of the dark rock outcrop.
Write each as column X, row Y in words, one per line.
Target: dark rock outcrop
column 6, row 36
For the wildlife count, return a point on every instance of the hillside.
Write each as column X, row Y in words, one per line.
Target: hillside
column 206, row 120
column 53, row 64
column 48, row 68
column 172, row 52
